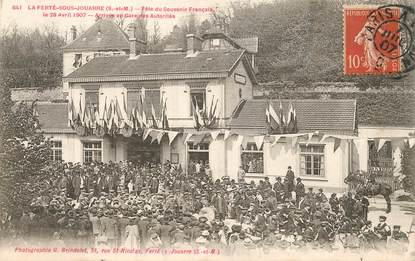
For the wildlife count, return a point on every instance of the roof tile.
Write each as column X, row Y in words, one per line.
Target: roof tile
column 312, row 115
column 112, row 38
column 145, row 64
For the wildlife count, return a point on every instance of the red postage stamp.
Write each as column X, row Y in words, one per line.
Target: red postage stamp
column 375, row 40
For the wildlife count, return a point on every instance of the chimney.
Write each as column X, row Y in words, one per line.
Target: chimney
column 73, row 32
column 194, row 44
column 136, row 46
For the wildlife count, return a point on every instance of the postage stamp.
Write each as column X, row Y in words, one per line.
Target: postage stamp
column 378, row 40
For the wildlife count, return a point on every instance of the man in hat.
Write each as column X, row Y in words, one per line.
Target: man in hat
column 267, row 184
column 76, row 184
column 383, row 231
column 154, row 185
column 399, row 240
column 290, row 179
column 299, row 192
column 320, row 197
column 220, row 203
column 279, row 189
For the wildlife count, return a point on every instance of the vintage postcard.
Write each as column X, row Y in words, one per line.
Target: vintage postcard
column 207, row 130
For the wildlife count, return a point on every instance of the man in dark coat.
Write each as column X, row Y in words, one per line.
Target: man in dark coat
column 76, row 184
column 299, row 191
column 154, row 185
column 220, row 204
column 279, row 189
column 290, row 179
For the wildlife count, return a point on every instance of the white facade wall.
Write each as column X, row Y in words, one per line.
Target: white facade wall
column 232, row 89
column 225, row 158
column 113, row 149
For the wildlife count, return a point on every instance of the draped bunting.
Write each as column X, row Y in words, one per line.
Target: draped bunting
column 337, row 143
column 172, row 135
column 145, row 133
column 188, row 136
column 294, row 141
column 159, row 136
column 227, row 134
column 277, row 137
column 380, row 144
column 259, row 140
column 244, row 142
column 153, row 134
column 239, row 140
column 215, row 134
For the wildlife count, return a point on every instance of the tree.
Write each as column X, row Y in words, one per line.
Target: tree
column 408, row 168
column 31, row 57
column 24, row 152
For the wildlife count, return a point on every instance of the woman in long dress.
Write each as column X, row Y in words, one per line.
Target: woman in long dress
column 131, row 233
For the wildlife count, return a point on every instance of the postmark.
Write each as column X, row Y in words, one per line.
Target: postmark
column 379, row 40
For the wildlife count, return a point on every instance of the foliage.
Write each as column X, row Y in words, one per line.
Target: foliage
column 31, row 58
column 299, row 41
column 24, row 152
column 408, row 168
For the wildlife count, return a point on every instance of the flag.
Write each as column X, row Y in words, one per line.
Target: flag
column 274, row 119
column 294, row 130
column 165, row 120
column 143, row 113
column 70, row 112
column 195, row 115
column 290, row 119
column 104, row 122
column 110, row 116
column 119, row 114
column 153, row 117
column 87, row 119
column 126, row 115
column 212, row 117
column 97, row 121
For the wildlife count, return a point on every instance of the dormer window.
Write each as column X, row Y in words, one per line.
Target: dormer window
column 216, row 43
column 78, row 60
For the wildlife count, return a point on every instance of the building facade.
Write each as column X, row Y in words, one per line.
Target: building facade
column 214, row 71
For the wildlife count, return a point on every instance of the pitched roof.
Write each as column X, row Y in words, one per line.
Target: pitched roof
column 248, row 43
column 329, row 116
column 39, row 94
column 206, row 63
column 112, row 38
column 53, row 117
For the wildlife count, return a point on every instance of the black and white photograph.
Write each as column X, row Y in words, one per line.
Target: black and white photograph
column 207, row 130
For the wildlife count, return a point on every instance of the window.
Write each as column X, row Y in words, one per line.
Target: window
column 78, row 60
column 197, row 97
column 133, row 99
column 93, row 151
column 56, row 154
column 252, row 158
column 152, row 97
column 92, row 99
column 215, row 42
column 384, row 153
column 204, row 147
column 312, row 160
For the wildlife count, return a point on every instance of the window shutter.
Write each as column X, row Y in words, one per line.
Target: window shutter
column 133, row 98
column 91, row 98
column 152, row 97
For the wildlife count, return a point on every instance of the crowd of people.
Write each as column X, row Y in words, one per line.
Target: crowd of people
column 153, row 205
